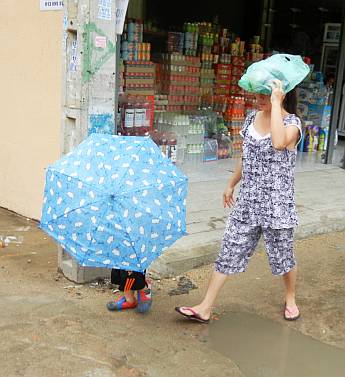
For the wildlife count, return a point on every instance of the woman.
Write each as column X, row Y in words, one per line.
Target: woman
column 265, row 204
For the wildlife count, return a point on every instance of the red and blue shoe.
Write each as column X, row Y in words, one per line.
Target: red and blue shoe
column 121, row 304
column 145, row 298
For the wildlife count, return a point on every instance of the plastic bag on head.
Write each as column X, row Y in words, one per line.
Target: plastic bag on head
column 289, row 69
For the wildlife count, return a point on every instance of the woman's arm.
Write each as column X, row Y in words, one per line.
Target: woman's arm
column 228, row 196
column 237, row 175
column 282, row 137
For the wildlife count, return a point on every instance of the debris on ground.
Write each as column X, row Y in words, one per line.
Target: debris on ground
column 102, row 283
column 6, row 240
column 184, row 285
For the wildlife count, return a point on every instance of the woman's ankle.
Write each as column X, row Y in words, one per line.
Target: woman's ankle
column 204, row 309
column 290, row 299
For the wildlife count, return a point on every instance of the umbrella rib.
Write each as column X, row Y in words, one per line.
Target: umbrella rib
column 151, row 186
column 93, row 230
column 93, row 187
column 126, row 225
column 72, row 210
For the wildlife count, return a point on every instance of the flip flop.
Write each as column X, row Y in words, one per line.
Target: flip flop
column 291, row 311
column 194, row 317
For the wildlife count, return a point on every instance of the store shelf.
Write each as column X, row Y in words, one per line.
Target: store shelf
column 158, row 34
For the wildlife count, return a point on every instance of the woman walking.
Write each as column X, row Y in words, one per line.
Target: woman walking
column 265, row 204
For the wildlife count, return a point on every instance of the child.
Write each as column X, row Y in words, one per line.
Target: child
column 129, row 282
column 265, row 204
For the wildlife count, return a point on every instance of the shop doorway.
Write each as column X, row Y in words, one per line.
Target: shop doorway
column 336, row 145
column 297, row 27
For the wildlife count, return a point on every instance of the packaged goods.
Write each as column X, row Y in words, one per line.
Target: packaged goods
column 210, row 150
column 137, row 114
column 309, row 137
column 175, row 42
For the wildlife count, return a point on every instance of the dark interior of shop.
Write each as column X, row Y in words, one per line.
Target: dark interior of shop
column 296, row 27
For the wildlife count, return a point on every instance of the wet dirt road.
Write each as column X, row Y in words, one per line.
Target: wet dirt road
column 52, row 327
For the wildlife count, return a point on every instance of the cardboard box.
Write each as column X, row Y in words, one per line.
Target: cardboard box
column 130, row 81
column 320, row 115
column 140, row 67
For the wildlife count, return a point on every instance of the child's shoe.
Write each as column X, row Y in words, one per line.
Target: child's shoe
column 144, row 300
column 120, row 303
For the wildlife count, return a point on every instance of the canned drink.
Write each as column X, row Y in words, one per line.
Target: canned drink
column 124, row 45
column 256, row 39
column 130, row 55
column 131, row 27
column 234, row 49
column 125, row 55
column 242, row 48
column 131, row 36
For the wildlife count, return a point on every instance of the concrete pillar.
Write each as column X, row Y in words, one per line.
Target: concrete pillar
column 89, row 81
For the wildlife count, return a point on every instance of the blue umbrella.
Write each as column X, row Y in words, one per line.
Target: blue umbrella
column 115, row 202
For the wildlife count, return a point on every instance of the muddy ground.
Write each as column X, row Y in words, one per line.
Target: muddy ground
column 52, row 327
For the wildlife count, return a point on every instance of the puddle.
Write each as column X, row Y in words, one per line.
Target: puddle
column 263, row 348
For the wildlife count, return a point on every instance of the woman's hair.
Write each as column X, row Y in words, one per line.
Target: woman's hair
column 290, row 102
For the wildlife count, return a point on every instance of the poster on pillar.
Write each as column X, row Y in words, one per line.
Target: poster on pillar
column 121, row 10
column 104, row 10
column 51, row 4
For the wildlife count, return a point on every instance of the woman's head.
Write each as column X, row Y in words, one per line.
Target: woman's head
column 263, row 102
column 290, row 102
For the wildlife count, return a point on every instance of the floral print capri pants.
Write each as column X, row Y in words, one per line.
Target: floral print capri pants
column 239, row 243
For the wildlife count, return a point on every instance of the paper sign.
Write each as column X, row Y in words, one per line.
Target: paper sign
column 104, row 3
column 104, row 10
column 100, row 42
column 73, row 62
column 121, row 10
column 51, row 5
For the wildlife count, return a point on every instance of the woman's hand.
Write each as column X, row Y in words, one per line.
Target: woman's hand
column 228, row 197
column 277, row 95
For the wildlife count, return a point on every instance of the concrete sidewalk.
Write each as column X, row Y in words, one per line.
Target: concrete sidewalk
column 320, row 196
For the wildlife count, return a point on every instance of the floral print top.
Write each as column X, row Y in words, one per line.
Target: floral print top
column 266, row 196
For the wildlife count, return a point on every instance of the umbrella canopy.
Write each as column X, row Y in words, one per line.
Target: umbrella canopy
column 115, row 202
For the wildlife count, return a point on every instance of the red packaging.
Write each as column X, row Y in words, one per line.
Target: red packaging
column 239, row 60
column 236, row 90
column 238, row 70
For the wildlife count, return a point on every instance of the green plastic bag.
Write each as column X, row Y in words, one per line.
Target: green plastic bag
column 289, row 69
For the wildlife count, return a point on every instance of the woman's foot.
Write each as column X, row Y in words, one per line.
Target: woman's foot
column 291, row 311
column 195, row 313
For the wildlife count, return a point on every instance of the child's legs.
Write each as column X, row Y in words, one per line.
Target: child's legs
column 128, row 282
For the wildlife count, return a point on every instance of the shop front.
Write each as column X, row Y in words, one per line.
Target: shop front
column 180, row 67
